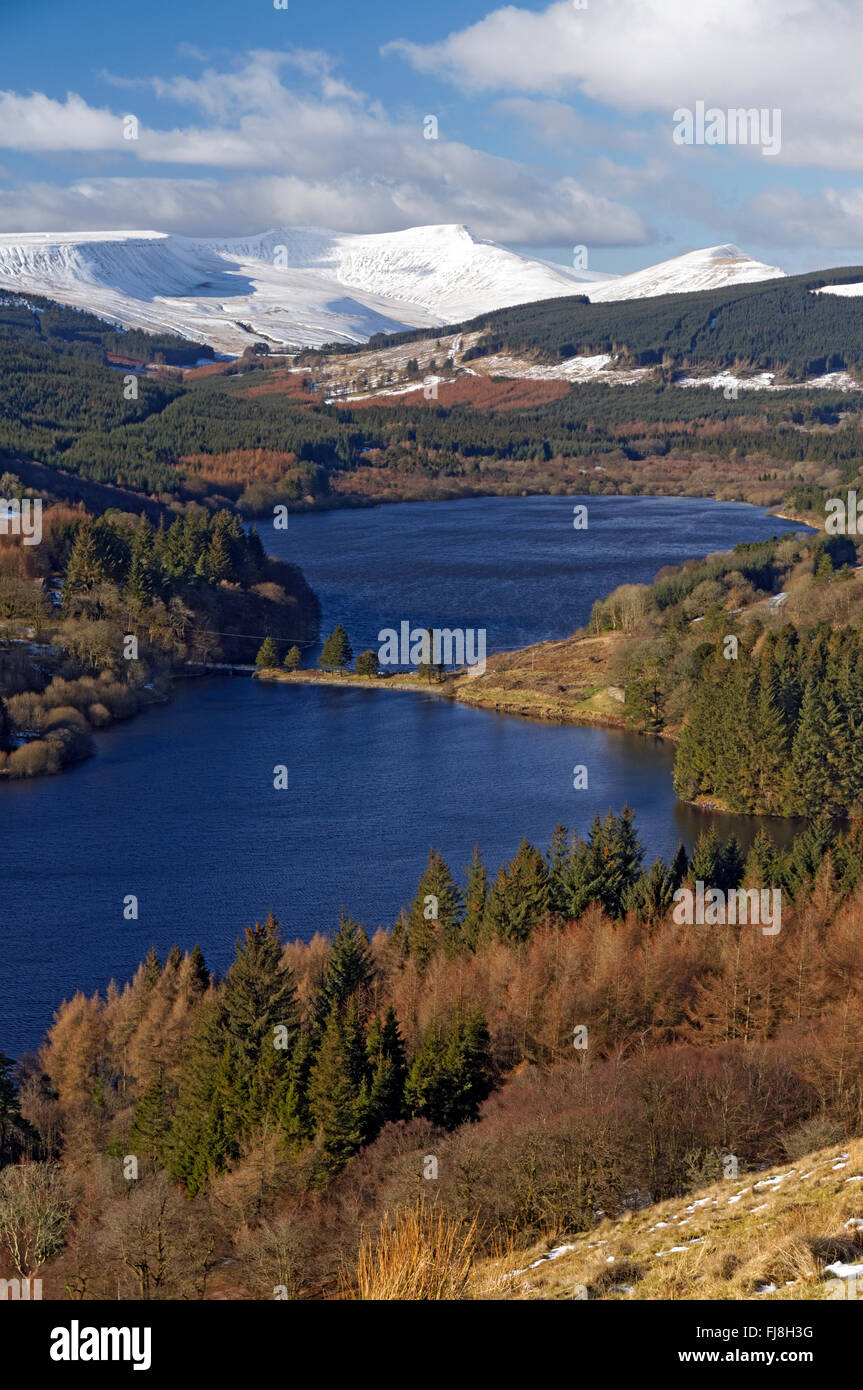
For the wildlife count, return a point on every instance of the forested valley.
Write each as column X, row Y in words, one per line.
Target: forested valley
column 193, row 1136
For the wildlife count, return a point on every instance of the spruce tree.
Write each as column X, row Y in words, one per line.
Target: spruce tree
column 151, row 1124
column 475, row 895
column 706, row 859
column 519, row 897
column 336, row 654
column 349, row 969
column 293, row 659
column 435, row 914
column 333, row 1099
column 388, row 1073
column 268, row 655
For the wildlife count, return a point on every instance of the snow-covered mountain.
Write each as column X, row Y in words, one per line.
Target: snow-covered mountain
column 710, row 269
column 292, row 286
column 304, row 286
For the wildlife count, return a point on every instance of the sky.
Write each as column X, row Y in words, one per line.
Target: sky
column 553, row 127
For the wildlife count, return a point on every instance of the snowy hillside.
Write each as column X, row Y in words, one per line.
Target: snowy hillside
column 709, row 269
column 304, row 286
column 291, row 286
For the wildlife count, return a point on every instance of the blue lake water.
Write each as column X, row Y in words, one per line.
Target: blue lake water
column 178, row 806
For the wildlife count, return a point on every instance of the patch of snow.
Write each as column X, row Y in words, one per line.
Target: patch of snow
column 846, row 291
column 554, row 1254
column 843, row 1271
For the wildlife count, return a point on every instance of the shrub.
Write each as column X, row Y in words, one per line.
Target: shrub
column 36, row 759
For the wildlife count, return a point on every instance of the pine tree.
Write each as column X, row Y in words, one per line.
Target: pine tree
column 434, row 916
column 259, row 995
column 349, row 969
column 16, row 1135
column 219, row 563
column 731, row 865
column 368, row 663
column 558, row 859
column 333, row 1098
column 452, row 1073
column 815, row 789
column 706, row 859
column 519, row 896
column 336, row 654
column 623, row 860
column 386, row 1056
column 293, row 659
column 151, row 1125
column 475, row 895
column 760, row 868
column 268, row 655
column 85, row 567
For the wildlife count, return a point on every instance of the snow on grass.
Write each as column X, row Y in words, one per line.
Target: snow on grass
column 554, row 1254
column 843, row 1271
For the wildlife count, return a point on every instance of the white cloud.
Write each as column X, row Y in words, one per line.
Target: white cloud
column 37, row 123
column 320, row 154
column 830, row 219
column 652, row 56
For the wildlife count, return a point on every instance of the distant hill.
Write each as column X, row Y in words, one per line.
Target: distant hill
column 304, row 286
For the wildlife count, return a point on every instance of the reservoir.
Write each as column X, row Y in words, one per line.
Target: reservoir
column 178, row 806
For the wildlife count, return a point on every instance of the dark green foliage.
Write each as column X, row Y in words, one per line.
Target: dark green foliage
column 434, row 916
column 778, row 730
column 519, row 896
column 7, row 741
column 452, row 1073
column 336, row 653
column 17, row 1139
column 772, row 325
column 334, row 1096
column 151, row 1125
column 238, row 1069
column 367, row 663
column 349, row 970
column 603, row 869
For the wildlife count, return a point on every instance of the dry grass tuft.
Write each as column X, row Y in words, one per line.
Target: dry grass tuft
column 419, row 1254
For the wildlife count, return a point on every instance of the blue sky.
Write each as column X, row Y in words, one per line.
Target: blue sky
column 555, row 122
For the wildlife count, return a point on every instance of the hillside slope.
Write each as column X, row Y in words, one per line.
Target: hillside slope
column 292, row 286
column 305, row 286
column 788, row 1233
column 709, row 269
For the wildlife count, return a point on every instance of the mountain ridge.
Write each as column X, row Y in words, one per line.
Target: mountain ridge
column 295, row 287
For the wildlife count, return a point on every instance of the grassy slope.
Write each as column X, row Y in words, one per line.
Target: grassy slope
column 781, row 1227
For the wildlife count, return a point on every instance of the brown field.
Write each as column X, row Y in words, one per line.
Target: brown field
column 283, row 383
column 476, row 391
column 238, row 467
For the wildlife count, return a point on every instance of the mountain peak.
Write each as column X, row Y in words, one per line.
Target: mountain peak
column 303, row 286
